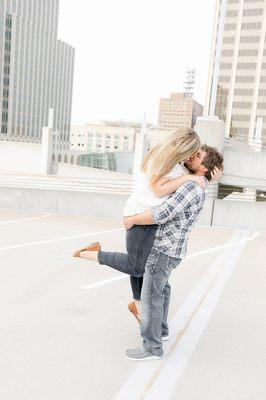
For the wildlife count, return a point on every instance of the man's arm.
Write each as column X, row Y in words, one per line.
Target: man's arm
column 144, row 218
column 185, row 195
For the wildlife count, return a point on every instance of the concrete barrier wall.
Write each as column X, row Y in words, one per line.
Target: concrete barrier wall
column 240, row 214
column 64, row 202
column 244, row 168
column 20, row 157
column 100, row 204
column 250, row 215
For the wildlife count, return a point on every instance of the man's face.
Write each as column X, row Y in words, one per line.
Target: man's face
column 195, row 162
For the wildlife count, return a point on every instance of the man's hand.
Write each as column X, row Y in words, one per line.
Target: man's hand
column 127, row 223
column 216, row 174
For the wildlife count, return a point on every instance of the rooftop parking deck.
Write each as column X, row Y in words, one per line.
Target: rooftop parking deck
column 65, row 324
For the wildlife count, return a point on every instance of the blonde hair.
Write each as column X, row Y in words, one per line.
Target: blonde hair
column 177, row 147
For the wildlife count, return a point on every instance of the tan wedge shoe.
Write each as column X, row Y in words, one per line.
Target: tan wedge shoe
column 92, row 247
column 133, row 309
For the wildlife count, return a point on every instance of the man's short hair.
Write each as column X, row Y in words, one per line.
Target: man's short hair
column 212, row 159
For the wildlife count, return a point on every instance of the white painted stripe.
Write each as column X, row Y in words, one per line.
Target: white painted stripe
column 199, row 253
column 59, row 239
column 10, row 221
column 186, row 329
column 223, row 246
column 105, row 282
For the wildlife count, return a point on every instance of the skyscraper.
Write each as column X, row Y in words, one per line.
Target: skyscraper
column 36, row 71
column 237, row 80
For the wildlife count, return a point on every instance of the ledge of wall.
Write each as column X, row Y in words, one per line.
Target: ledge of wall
column 250, row 215
column 240, row 214
column 244, row 168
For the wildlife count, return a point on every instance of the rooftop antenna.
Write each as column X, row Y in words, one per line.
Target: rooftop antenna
column 189, row 82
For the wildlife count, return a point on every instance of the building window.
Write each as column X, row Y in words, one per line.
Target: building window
column 227, row 53
column 243, row 92
column 225, row 65
column 252, row 12
column 229, row 39
column 240, row 117
column 246, row 65
column 248, row 52
column 242, row 131
column 245, row 79
column 229, row 27
column 242, row 104
column 261, row 105
column 249, row 39
column 232, row 13
column 224, row 78
column 262, row 92
column 251, row 25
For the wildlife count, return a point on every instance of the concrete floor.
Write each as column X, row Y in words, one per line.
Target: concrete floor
column 65, row 324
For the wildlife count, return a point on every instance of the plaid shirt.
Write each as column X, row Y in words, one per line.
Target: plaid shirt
column 176, row 217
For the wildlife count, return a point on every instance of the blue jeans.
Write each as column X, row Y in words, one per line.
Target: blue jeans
column 155, row 300
column 139, row 241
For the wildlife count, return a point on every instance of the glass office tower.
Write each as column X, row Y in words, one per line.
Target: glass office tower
column 36, row 71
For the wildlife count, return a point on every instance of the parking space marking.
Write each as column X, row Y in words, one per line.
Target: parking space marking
column 10, row 221
column 17, row 246
column 223, row 246
column 105, row 282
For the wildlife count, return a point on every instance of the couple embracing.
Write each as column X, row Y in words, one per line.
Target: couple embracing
column 158, row 218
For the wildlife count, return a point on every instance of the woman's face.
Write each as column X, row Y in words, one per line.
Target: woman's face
column 195, row 161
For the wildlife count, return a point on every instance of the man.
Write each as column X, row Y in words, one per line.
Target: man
column 175, row 217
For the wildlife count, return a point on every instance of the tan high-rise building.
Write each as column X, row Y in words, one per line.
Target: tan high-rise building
column 179, row 110
column 237, row 80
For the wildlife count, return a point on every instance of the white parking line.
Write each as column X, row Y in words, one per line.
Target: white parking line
column 223, row 246
column 158, row 379
column 105, row 282
column 59, row 239
column 193, row 255
column 10, row 221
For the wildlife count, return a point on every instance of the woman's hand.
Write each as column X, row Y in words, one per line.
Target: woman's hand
column 127, row 223
column 216, row 174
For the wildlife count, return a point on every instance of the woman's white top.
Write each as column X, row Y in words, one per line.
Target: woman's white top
column 143, row 197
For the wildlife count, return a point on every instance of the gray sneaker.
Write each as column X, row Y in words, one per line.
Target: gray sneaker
column 139, row 354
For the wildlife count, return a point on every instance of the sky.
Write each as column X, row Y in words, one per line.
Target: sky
column 130, row 53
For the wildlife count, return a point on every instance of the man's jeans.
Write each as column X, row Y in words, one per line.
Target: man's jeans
column 155, row 299
column 139, row 241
